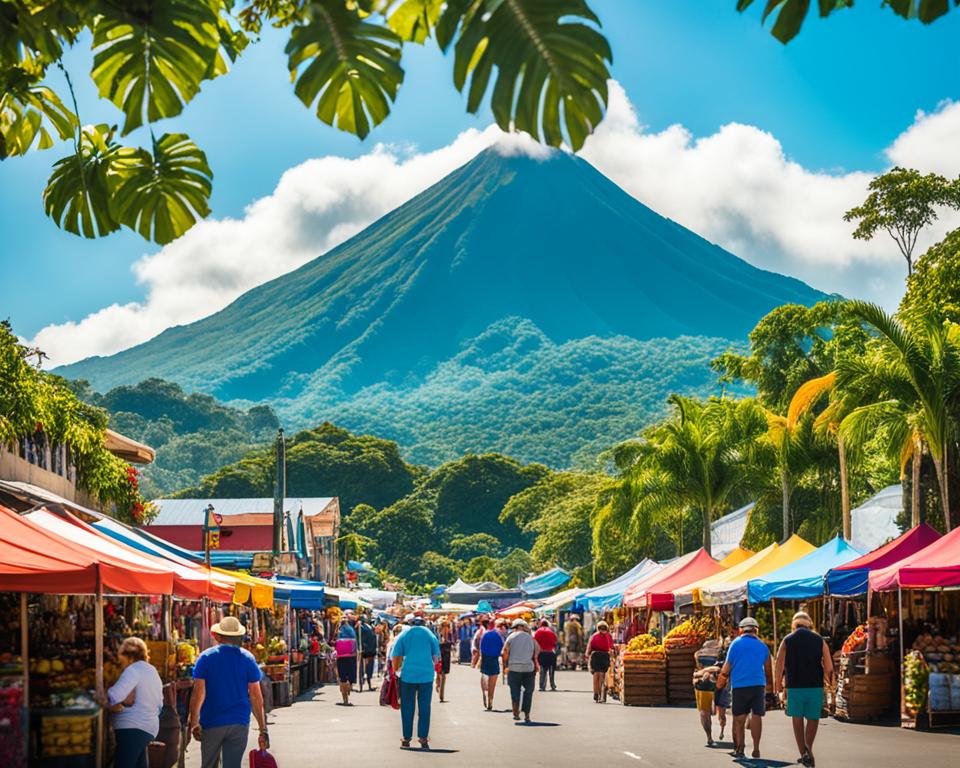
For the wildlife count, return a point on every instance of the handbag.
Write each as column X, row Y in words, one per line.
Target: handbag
column 390, row 691
column 261, row 758
column 345, row 647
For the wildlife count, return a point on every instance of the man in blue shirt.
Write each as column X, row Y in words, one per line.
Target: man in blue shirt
column 226, row 685
column 748, row 669
column 415, row 654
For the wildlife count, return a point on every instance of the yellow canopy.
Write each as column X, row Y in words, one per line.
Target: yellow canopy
column 736, row 557
column 691, row 592
column 730, row 586
column 259, row 592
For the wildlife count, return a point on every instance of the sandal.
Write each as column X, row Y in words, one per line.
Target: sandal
column 424, row 743
column 404, row 743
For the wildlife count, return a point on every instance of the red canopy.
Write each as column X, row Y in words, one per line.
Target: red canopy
column 936, row 565
column 658, row 592
column 34, row 560
column 906, row 544
column 189, row 581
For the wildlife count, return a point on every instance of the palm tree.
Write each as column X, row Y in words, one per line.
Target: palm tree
column 698, row 459
column 788, row 442
column 910, row 384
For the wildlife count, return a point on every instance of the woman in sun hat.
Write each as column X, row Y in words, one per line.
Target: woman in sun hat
column 520, row 660
column 598, row 658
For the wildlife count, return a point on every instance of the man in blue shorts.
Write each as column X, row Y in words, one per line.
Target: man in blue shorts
column 804, row 664
column 491, row 646
column 748, row 669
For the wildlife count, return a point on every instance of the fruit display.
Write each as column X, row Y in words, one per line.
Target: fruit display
column 916, row 676
column 942, row 654
column 857, row 641
column 639, row 643
column 692, row 632
column 66, row 735
column 653, row 652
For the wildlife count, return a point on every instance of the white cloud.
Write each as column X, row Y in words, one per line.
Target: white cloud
column 735, row 187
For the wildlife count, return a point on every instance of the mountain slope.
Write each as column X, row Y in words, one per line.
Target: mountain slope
column 545, row 256
column 551, row 240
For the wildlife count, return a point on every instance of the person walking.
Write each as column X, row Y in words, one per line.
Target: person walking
column 748, row 670
column 547, row 640
column 705, row 684
column 598, row 659
column 346, row 648
column 446, row 638
column 226, row 687
column 803, row 666
column 520, row 653
column 491, row 646
column 573, row 642
column 368, row 652
column 135, row 700
column 465, row 635
column 414, row 655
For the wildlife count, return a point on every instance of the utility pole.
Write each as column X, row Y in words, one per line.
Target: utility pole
column 279, row 491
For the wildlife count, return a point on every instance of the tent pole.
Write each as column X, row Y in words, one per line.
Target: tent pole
column 25, row 656
column 98, row 651
column 773, row 613
column 900, row 643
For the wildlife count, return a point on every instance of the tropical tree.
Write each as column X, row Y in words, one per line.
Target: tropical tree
column 902, row 202
column 909, row 382
column 790, row 14
column 543, row 64
column 698, row 460
column 789, row 444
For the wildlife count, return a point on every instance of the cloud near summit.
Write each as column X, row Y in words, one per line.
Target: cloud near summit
column 736, row 187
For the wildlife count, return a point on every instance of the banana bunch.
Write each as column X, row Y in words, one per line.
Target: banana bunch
column 640, row 642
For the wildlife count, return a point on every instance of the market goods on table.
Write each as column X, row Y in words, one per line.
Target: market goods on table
column 866, row 682
column 915, row 681
column 641, row 642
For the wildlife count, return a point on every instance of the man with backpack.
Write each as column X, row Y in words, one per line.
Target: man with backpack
column 368, row 652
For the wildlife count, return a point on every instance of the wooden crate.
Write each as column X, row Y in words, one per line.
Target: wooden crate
column 644, row 682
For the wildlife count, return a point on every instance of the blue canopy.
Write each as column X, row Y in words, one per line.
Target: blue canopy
column 804, row 578
column 309, row 595
column 355, row 565
column 545, row 583
column 611, row 594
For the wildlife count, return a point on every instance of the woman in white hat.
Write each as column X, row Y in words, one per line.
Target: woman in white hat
column 520, row 654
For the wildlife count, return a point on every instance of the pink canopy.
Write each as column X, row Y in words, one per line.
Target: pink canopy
column 852, row 578
column 657, row 592
column 936, row 565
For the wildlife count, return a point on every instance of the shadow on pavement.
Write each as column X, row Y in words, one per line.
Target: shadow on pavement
column 535, row 724
column 431, row 751
column 760, row 762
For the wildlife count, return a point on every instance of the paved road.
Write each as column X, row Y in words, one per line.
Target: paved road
column 569, row 730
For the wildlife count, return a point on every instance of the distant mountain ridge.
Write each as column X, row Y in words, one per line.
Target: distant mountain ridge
column 548, row 241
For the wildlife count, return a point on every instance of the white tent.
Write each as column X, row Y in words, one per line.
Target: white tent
column 874, row 522
column 726, row 533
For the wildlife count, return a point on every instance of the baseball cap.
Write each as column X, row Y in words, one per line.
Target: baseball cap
column 749, row 623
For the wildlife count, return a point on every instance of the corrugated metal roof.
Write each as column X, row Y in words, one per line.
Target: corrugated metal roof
column 191, row 511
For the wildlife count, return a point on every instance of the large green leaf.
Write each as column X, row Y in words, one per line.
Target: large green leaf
column 413, row 20
column 28, row 114
column 161, row 195
column 152, row 58
column 551, row 69
column 926, row 10
column 352, row 67
column 77, row 195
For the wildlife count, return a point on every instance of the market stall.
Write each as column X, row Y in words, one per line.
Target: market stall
column 928, row 614
column 656, row 593
column 543, row 584
column 731, row 585
column 851, row 579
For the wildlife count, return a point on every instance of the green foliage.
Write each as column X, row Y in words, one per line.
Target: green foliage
column 151, row 58
column 934, row 285
column 193, row 434
column 435, row 568
column 902, row 202
column 790, row 346
column 325, row 461
column 790, row 14
column 32, row 401
column 468, row 546
column 557, row 512
column 551, row 68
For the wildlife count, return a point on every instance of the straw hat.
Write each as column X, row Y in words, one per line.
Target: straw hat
column 229, row 626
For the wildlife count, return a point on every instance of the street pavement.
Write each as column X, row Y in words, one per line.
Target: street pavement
column 569, row 729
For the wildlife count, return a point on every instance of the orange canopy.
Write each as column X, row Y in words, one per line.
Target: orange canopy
column 34, row 560
column 190, row 582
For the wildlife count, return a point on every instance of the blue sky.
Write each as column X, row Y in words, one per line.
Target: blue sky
column 835, row 98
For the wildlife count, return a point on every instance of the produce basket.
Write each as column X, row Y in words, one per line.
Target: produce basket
column 644, row 681
column 680, row 667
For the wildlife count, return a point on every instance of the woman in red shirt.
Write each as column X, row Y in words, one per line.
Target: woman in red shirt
column 547, row 640
column 598, row 658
